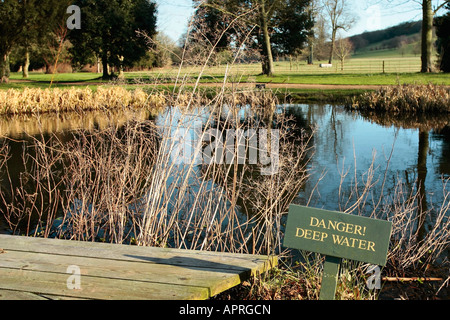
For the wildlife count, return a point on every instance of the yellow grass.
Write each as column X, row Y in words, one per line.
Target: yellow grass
column 34, row 100
column 411, row 99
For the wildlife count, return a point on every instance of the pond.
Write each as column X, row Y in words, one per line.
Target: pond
column 348, row 143
column 349, row 150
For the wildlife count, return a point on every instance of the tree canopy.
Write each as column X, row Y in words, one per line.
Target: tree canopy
column 273, row 27
column 443, row 34
column 25, row 22
column 109, row 31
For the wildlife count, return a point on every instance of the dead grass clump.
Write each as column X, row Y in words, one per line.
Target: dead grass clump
column 405, row 99
column 32, row 100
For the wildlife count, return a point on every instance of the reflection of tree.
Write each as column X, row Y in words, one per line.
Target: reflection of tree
column 421, row 178
column 424, row 123
column 443, row 135
column 334, row 129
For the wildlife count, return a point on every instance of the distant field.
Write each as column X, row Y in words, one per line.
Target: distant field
column 388, row 69
column 250, row 72
column 392, row 64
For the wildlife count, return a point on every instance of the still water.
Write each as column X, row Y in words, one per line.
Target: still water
column 350, row 143
column 346, row 146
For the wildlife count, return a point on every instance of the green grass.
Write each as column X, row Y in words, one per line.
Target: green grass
column 60, row 77
column 42, row 80
column 387, row 53
column 286, row 73
column 358, row 79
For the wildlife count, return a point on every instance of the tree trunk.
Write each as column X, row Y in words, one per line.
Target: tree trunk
column 7, row 66
column 427, row 36
column 333, row 41
column 105, row 67
column 26, row 64
column 98, row 64
column 49, row 68
column 311, row 52
column 3, row 68
column 267, row 63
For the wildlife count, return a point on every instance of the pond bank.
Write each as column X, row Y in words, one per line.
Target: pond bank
column 333, row 142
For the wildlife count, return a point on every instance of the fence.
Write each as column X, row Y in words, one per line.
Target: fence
column 357, row 65
column 409, row 64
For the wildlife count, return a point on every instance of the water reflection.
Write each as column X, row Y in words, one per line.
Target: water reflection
column 414, row 150
column 19, row 132
column 20, row 126
column 442, row 137
column 348, row 145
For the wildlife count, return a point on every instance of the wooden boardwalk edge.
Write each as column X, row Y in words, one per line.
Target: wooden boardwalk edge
column 37, row 268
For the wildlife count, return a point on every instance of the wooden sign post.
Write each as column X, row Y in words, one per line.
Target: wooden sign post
column 337, row 236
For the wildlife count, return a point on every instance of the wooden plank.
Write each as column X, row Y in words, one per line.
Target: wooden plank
column 19, row 295
column 228, row 261
column 108, row 271
column 330, row 278
column 215, row 280
column 96, row 288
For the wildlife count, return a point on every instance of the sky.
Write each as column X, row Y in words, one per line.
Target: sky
column 174, row 15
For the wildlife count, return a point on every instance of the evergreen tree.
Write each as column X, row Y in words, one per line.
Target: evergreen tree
column 26, row 23
column 109, row 31
column 12, row 23
column 443, row 34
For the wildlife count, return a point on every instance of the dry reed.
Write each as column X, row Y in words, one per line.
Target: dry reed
column 419, row 238
column 32, row 100
column 123, row 184
column 415, row 99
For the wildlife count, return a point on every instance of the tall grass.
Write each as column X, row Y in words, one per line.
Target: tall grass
column 419, row 240
column 124, row 185
column 405, row 99
column 31, row 100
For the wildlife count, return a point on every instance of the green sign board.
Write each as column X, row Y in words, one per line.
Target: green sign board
column 337, row 235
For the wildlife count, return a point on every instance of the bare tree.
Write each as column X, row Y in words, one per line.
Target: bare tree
column 343, row 49
column 322, row 45
column 340, row 18
column 318, row 31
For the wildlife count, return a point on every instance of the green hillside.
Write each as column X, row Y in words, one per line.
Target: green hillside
column 402, row 40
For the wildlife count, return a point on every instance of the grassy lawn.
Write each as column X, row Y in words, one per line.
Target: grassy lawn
column 357, row 71
column 358, row 79
column 60, row 77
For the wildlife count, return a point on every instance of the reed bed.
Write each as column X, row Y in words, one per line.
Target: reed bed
column 34, row 100
column 420, row 239
column 123, row 184
column 414, row 99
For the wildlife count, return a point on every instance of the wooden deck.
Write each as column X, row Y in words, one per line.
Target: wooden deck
column 37, row 268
